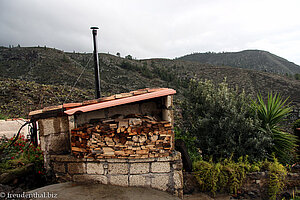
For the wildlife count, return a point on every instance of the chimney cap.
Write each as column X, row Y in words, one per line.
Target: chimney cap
column 94, row 27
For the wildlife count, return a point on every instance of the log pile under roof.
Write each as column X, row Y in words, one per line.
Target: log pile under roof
column 131, row 137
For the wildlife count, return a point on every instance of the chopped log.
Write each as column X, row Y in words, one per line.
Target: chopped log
column 131, row 137
column 123, row 128
column 113, row 126
column 135, row 138
column 135, row 121
column 108, row 121
column 77, row 149
column 142, row 139
column 142, row 151
column 153, row 138
column 168, row 125
column 123, row 123
column 120, row 153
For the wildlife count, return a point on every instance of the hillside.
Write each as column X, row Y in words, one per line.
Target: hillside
column 54, row 67
column 34, row 77
column 249, row 59
column 18, row 97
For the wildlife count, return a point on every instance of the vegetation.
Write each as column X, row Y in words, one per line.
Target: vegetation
column 189, row 141
column 129, row 57
column 33, row 64
column 227, row 128
column 224, row 176
column 251, row 59
column 19, row 154
column 296, row 124
column 2, row 116
column 21, row 164
column 220, row 127
column 220, row 119
column 272, row 114
column 19, row 97
column 276, row 179
column 229, row 176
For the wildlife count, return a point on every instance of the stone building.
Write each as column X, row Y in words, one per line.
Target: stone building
column 125, row 139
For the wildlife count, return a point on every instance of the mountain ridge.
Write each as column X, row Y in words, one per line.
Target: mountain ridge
column 251, row 59
column 55, row 72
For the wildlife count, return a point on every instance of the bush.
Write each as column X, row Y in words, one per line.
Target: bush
column 20, row 154
column 189, row 141
column 2, row 116
column 225, row 176
column 272, row 114
column 228, row 176
column 220, row 119
column 276, row 178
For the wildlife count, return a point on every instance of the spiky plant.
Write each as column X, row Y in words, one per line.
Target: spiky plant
column 272, row 114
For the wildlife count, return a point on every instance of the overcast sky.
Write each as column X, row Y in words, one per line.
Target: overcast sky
column 154, row 28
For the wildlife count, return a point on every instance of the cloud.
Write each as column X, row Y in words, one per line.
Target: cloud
column 157, row 28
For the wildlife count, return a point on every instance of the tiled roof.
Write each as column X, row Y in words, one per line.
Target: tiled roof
column 106, row 102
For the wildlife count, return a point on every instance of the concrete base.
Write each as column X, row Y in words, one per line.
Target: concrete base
column 69, row 190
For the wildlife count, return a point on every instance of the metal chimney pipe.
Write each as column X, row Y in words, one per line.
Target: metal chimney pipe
column 96, row 64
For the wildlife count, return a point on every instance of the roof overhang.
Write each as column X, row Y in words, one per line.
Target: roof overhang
column 117, row 102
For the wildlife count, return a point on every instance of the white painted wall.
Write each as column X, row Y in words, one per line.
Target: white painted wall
column 11, row 128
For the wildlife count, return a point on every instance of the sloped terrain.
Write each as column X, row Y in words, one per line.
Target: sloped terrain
column 34, row 77
column 18, row 97
column 249, row 59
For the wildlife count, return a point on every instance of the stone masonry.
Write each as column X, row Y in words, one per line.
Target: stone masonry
column 163, row 173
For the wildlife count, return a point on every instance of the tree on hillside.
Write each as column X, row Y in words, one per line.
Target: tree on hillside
column 129, row 57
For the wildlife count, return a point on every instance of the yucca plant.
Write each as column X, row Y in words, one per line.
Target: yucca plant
column 272, row 114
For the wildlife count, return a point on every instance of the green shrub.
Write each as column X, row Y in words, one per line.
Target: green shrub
column 189, row 142
column 272, row 114
column 2, row 116
column 20, row 154
column 229, row 176
column 224, row 176
column 220, row 119
column 276, row 178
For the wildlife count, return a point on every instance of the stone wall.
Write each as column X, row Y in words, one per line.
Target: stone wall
column 163, row 173
column 54, row 137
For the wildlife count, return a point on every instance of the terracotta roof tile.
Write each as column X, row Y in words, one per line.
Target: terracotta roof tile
column 123, row 95
column 117, row 99
column 149, row 95
column 108, row 98
column 51, row 108
column 88, row 102
column 137, row 92
column 71, row 105
column 36, row 112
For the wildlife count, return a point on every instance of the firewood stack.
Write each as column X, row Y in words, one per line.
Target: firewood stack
column 130, row 137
